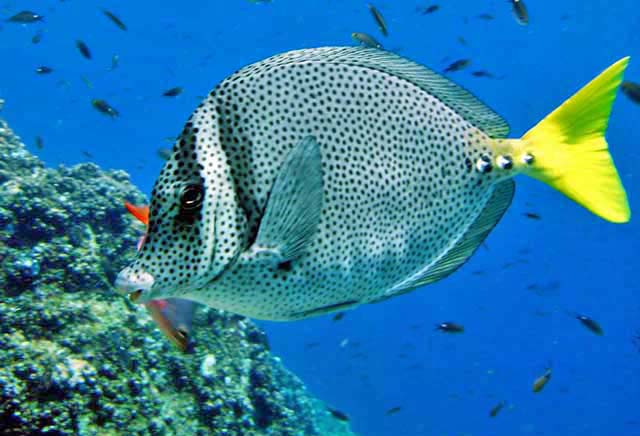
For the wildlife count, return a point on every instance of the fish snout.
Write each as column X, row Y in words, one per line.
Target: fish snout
column 134, row 283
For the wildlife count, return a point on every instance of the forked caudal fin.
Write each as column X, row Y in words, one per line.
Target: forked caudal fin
column 568, row 150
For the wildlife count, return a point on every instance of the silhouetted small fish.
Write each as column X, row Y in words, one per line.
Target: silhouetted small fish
column 310, row 345
column 520, row 12
column 164, row 153
column 338, row 414
column 429, row 9
column 86, row 81
column 589, row 323
column 35, row 39
column 486, row 17
column 496, row 409
column 173, row 92
column 25, row 17
column 377, row 16
column 458, row 65
column 86, row 154
column 117, row 21
column 542, row 381
column 462, row 41
column 84, row 50
column 39, row 143
column 115, row 61
column 338, row 316
column 450, row 327
column 482, row 73
column 393, row 411
column 44, row 70
column 532, row 216
column 365, row 39
column 631, row 90
column 104, row 107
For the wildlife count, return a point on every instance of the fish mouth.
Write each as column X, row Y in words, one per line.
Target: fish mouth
column 135, row 284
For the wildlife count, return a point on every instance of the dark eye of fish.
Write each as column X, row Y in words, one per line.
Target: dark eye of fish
column 191, row 198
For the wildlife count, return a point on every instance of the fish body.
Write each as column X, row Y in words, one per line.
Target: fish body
column 450, row 327
column 379, row 19
column 105, row 108
column 83, row 49
column 44, row 70
column 114, row 19
column 590, row 324
column 25, row 17
column 173, row 92
column 321, row 179
column 542, row 381
column 520, row 12
column 458, row 65
column 365, row 40
column 496, row 409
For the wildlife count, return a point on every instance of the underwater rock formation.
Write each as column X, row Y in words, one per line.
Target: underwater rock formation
column 76, row 358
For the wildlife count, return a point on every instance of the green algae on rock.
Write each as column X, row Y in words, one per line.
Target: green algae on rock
column 76, row 359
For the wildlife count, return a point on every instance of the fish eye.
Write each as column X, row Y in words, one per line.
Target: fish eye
column 191, row 198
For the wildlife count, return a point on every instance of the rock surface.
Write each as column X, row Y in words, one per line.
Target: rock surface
column 76, row 358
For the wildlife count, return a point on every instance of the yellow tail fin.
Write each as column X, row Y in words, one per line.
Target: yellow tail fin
column 570, row 152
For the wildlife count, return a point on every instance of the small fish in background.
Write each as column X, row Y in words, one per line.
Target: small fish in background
column 341, row 416
column 114, row 19
column 520, row 12
column 39, row 142
column 496, row 409
column 486, row 17
column 84, row 49
column 429, row 9
column 44, row 70
column 542, row 381
column 458, row 65
column 450, row 327
column 393, row 411
column 115, row 61
column 35, row 39
column 105, row 108
column 532, row 216
column 483, row 73
column 86, row 82
column 164, row 153
column 338, row 316
column 365, row 40
column 631, row 90
column 173, row 92
column 310, row 345
column 86, row 154
column 25, row 17
column 589, row 323
column 462, row 41
column 377, row 16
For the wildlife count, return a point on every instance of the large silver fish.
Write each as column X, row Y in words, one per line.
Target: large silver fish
column 325, row 178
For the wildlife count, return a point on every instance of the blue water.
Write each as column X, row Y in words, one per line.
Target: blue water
column 445, row 384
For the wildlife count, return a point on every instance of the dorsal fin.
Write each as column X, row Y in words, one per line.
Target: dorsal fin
column 465, row 246
column 454, row 96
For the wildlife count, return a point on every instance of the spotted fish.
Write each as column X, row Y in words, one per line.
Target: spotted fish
column 321, row 179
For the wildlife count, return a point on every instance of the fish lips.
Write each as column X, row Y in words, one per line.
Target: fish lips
column 136, row 284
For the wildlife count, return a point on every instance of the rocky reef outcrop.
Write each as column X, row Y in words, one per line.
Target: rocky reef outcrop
column 77, row 359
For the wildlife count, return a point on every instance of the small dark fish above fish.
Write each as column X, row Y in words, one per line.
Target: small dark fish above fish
column 115, row 19
column 338, row 414
column 25, row 17
column 173, row 92
column 520, row 12
column 496, row 409
column 338, row 316
column 450, row 327
column 483, row 73
column 458, row 65
column 164, row 153
column 84, row 49
column 365, row 40
column 589, row 323
column 393, row 411
column 542, row 381
column 631, row 90
column 103, row 107
column 428, row 9
column 39, row 142
column 44, row 70
column 532, row 216
column 377, row 16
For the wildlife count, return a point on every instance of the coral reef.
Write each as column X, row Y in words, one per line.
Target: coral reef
column 76, row 358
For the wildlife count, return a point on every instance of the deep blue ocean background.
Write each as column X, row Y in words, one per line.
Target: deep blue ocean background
column 512, row 297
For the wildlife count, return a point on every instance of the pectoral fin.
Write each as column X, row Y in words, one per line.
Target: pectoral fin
column 293, row 209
